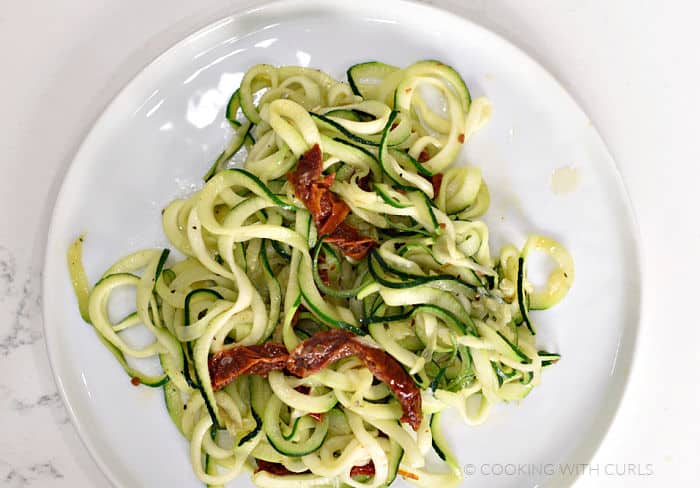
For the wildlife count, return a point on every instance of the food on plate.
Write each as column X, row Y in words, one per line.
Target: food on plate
column 334, row 290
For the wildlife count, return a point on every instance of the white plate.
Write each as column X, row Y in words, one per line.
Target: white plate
column 163, row 130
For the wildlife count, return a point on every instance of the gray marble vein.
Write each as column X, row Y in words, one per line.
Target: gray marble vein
column 47, row 400
column 31, row 475
column 24, row 328
column 7, row 273
column 50, row 401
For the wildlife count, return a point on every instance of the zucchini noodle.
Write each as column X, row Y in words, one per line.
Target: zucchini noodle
column 252, row 268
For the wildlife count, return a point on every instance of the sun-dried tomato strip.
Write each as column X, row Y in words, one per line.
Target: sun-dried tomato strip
column 314, row 354
column 225, row 366
column 387, row 369
column 295, row 318
column 307, row 172
column 323, row 271
column 364, row 470
column 272, row 468
column 327, row 209
column 339, row 210
column 320, row 350
column 350, row 241
column 436, row 180
column 364, row 182
column 423, row 156
column 327, row 347
column 314, row 191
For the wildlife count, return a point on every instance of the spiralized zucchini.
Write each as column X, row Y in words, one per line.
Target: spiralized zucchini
column 251, row 269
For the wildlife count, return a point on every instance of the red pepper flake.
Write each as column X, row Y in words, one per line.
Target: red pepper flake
column 423, row 156
column 136, row 381
column 460, row 138
column 442, row 225
column 394, row 125
column 318, row 417
column 407, row 474
column 408, row 90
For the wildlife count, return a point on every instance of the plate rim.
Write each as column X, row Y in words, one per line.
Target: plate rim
column 630, row 334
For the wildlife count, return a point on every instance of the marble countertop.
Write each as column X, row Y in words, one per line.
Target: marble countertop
column 631, row 64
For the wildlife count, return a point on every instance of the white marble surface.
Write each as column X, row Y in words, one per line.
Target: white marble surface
column 631, row 64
